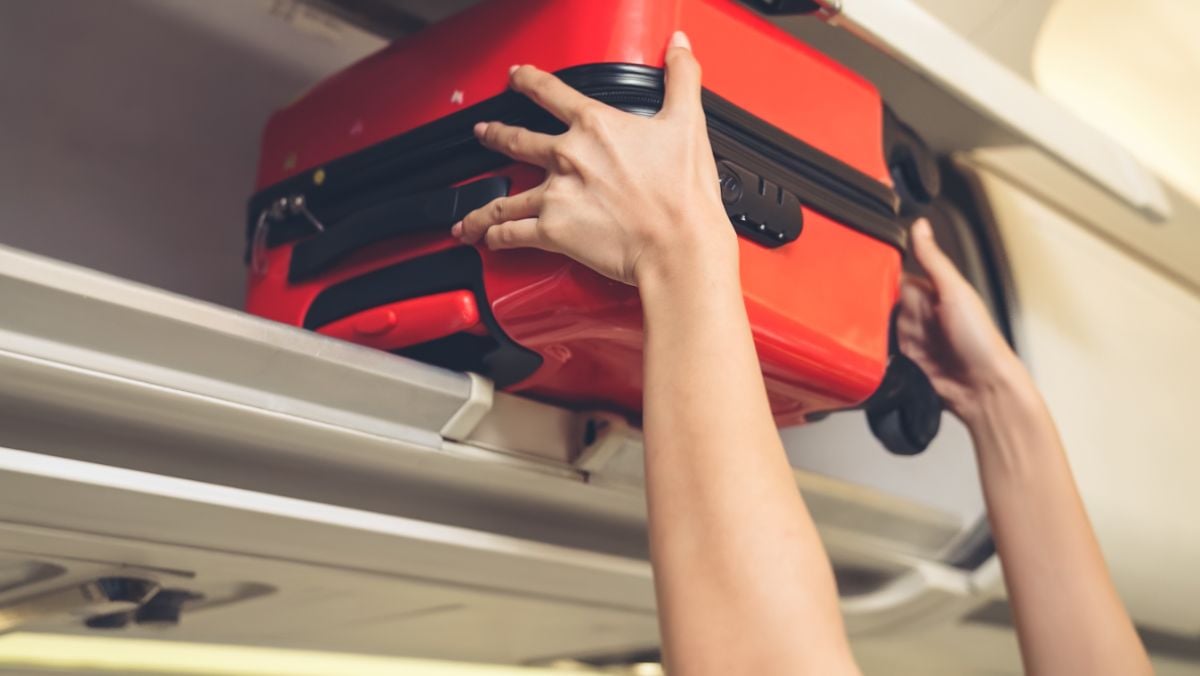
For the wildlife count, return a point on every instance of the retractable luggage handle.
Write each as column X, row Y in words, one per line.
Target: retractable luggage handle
column 403, row 215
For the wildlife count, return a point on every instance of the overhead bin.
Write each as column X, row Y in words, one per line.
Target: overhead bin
column 175, row 387
column 205, row 394
column 906, row 34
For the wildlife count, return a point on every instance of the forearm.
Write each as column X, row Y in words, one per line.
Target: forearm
column 1068, row 615
column 744, row 585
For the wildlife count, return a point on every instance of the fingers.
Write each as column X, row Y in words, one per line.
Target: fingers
column 683, row 77
column 515, row 234
column 916, row 306
column 518, row 143
column 549, row 92
column 500, row 210
column 936, row 264
column 916, row 293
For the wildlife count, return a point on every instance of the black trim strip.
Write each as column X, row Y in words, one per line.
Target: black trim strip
column 504, row 361
column 445, row 151
column 408, row 214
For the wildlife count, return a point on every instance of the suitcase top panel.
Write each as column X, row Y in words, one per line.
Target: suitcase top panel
column 465, row 60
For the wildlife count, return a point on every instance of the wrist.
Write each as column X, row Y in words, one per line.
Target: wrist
column 1008, row 397
column 699, row 249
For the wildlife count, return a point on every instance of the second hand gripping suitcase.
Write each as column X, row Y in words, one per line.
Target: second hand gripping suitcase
column 361, row 178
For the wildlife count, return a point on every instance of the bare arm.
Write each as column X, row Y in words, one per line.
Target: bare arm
column 1069, row 618
column 743, row 583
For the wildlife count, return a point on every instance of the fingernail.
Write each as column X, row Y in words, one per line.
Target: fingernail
column 456, row 229
column 480, row 127
column 680, row 39
column 513, row 68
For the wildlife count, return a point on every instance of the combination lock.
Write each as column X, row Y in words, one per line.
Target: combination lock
column 759, row 209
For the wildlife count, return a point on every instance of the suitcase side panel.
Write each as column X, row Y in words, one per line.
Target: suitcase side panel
column 827, row 324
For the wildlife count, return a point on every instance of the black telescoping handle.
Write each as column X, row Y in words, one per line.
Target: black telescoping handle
column 403, row 215
column 784, row 7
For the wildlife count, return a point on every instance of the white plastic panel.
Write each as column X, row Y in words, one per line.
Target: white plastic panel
column 1113, row 346
column 60, row 320
column 131, row 129
column 1142, row 93
column 943, row 477
column 911, row 35
column 44, row 492
column 328, row 578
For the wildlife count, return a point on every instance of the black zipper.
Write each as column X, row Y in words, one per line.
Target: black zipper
column 445, row 151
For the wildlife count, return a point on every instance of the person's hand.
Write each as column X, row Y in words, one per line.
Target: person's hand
column 627, row 196
column 945, row 328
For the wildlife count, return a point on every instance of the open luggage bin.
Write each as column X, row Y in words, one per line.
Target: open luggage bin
column 361, row 178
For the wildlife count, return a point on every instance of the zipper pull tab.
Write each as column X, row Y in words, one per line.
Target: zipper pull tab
column 298, row 205
column 278, row 211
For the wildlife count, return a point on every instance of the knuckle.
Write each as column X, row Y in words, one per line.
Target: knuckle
column 471, row 220
column 554, row 191
column 548, row 230
column 491, row 134
column 515, row 139
column 564, row 154
column 591, row 117
column 496, row 210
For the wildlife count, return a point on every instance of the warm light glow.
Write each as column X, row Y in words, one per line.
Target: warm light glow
column 106, row 654
column 1131, row 70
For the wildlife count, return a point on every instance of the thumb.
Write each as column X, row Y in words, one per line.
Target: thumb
column 933, row 260
column 683, row 76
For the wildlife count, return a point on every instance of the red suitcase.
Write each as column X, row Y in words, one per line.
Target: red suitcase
column 361, row 178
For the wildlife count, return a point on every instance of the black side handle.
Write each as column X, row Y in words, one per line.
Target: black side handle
column 404, row 215
column 496, row 356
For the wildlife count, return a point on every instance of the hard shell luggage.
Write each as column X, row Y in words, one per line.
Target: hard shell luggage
column 362, row 177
